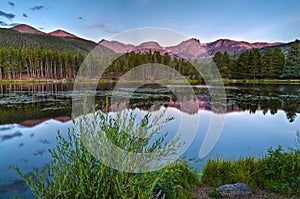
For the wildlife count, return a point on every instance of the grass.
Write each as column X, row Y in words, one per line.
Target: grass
column 277, row 171
column 178, row 81
column 261, row 81
column 32, row 81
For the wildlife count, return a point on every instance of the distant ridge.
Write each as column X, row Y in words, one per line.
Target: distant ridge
column 61, row 33
column 191, row 48
column 26, row 36
column 23, row 28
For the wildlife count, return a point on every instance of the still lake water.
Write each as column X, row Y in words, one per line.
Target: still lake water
column 257, row 117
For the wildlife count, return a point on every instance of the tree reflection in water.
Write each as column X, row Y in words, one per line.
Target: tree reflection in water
column 23, row 102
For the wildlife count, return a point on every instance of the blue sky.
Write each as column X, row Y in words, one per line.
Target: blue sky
column 253, row 20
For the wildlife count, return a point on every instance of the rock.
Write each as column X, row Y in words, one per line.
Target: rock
column 232, row 190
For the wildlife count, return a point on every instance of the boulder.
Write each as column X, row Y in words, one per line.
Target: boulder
column 233, row 190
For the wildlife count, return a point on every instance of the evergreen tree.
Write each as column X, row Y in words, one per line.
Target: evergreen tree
column 254, row 63
column 243, row 65
column 278, row 61
column 292, row 65
column 234, row 70
column 225, row 65
column 266, row 64
column 218, row 58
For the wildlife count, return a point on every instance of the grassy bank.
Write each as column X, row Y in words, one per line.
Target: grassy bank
column 225, row 81
column 36, row 81
column 33, row 81
column 261, row 81
column 277, row 172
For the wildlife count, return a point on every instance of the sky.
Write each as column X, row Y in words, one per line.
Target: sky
column 206, row 20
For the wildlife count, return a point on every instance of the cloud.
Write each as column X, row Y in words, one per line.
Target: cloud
column 223, row 29
column 11, row 3
column 143, row 2
column 25, row 15
column 7, row 15
column 14, row 24
column 35, row 8
column 80, row 18
column 192, row 26
column 2, row 23
column 104, row 27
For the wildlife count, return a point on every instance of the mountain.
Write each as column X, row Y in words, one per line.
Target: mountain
column 149, row 45
column 265, row 44
column 61, row 33
column 23, row 28
column 285, row 47
column 27, row 36
column 117, row 47
column 230, row 46
column 189, row 48
column 192, row 48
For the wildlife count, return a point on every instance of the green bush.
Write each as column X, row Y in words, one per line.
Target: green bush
column 75, row 173
column 282, row 171
column 277, row 171
column 219, row 172
column 178, row 177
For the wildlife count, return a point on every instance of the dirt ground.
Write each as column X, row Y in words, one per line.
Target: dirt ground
column 203, row 191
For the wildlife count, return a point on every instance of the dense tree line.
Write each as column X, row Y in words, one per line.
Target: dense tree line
column 18, row 63
column 253, row 64
column 129, row 61
column 38, row 63
column 292, row 66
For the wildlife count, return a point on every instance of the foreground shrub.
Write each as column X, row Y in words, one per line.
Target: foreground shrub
column 75, row 173
column 220, row 172
column 282, row 171
column 178, row 177
column 278, row 171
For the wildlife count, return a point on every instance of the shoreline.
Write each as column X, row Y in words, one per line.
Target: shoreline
column 261, row 81
column 194, row 82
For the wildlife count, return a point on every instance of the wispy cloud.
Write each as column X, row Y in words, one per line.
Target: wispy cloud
column 2, row 23
column 11, row 3
column 297, row 19
column 25, row 15
column 35, row 8
column 80, row 18
column 143, row 2
column 192, row 26
column 9, row 16
column 104, row 27
column 223, row 29
column 14, row 24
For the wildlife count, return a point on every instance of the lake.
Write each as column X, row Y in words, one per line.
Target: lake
column 256, row 117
